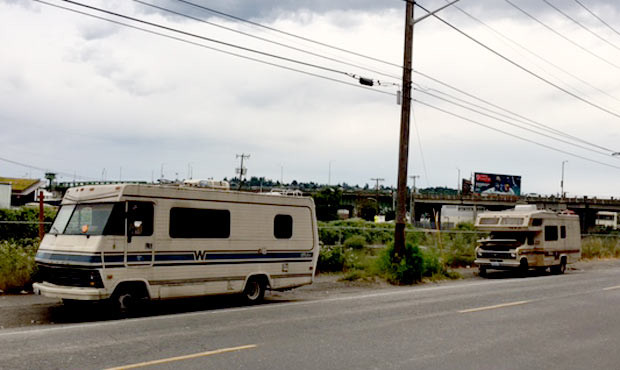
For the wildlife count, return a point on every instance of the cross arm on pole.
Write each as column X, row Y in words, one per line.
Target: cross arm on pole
column 433, row 12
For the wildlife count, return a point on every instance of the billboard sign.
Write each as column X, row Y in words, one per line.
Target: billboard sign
column 490, row 183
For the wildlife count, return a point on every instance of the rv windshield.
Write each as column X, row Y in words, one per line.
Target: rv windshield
column 89, row 219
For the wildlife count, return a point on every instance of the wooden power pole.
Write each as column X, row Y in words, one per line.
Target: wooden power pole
column 403, row 152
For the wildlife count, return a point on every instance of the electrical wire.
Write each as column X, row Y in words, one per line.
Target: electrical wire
column 292, row 69
column 208, row 39
column 273, row 29
column 213, row 48
column 44, row 169
column 561, row 35
column 597, row 17
column 505, row 58
column 509, row 111
column 264, row 39
column 510, row 123
column 580, row 24
column 513, row 135
column 523, row 47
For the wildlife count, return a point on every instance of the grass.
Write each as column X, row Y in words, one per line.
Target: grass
column 17, row 265
column 600, row 247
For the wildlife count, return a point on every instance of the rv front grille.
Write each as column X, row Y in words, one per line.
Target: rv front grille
column 494, row 254
column 70, row 276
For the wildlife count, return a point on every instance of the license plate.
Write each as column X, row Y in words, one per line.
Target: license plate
column 494, row 264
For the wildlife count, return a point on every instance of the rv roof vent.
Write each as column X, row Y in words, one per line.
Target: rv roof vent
column 525, row 207
column 211, row 184
column 286, row 192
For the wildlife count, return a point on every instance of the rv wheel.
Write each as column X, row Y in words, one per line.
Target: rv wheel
column 127, row 297
column 482, row 271
column 562, row 267
column 254, row 290
column 523, row 267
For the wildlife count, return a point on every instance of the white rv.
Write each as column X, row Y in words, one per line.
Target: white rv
column 132, row 241
column 526, row 238
column 607, row 219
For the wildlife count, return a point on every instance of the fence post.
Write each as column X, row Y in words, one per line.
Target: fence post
column 41, row 218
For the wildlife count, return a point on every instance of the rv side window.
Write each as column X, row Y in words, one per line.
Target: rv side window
column 551, row 233
column 283, row 227
column 199, row 223
column 563, row 232
column 141, row 218
column 537, row 222
column 116, row 223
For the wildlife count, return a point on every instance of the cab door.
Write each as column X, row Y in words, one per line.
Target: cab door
column 140, row 242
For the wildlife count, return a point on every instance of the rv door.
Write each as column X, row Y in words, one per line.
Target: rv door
column 139, row 245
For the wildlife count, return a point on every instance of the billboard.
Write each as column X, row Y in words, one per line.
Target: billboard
column 491, row 183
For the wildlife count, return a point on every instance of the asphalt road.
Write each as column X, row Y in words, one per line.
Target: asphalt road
column 569, row 321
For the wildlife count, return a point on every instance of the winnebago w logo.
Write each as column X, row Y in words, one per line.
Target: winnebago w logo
column 200, row 255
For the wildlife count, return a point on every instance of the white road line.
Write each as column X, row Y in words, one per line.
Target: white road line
column 181, row 358
column 612, row 287
column 494, row 307
column 392, row 292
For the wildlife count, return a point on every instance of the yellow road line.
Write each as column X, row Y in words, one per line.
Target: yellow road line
column 494, row 307
column 186, row 357
column 612, row 287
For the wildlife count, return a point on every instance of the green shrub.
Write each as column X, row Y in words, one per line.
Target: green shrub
column 17, row 265
column 355, row 242
column 16, row 231
column 331, row 259
column 408, row 270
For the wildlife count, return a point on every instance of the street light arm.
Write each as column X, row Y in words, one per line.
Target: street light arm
column 433, row 12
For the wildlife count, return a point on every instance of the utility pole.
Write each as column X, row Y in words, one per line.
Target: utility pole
column 377, row 179
column 329, row 175
column 562, row 181
column 242, row 170
column 403, row 152
column 412, row 200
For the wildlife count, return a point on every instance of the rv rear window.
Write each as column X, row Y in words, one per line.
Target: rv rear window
column 551, row 233
column 563, row 232
column 199, row 223
column 283, row 227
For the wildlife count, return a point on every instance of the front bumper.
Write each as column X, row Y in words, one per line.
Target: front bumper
column 70, row 292
column 499, row 265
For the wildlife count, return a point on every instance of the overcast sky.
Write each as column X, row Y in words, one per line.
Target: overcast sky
column 87, row 97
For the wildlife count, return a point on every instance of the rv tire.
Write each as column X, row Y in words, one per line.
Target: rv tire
column 523, row 267
column 254, row 291
column 482, row 271
column 127, row 297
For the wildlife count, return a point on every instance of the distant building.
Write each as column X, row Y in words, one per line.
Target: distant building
column 5, row 195
column 22, row 190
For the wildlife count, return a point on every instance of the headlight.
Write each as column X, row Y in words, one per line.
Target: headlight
column 513, row 255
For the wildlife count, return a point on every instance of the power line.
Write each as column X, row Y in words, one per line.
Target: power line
column 273, row 29
column 561, row 35
column 522, row 67
column 513, row 135
column 208, row 39
column 264, row 39
column 213, row 48
column 535, row 54
column 597, row 17
column 43, row 169
column 580, row 24
column 510, row 123
column 257, row 60
column 509, row 111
